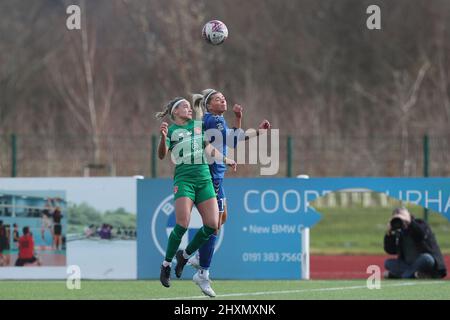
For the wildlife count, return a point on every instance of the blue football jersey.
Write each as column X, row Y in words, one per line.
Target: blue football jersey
column 229, row 139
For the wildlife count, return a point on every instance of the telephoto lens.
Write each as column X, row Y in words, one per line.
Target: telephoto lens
column 396, row 224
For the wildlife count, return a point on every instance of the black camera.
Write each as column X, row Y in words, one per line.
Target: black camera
column 397, row 224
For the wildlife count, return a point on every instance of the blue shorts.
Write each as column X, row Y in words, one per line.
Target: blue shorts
column 220, row 192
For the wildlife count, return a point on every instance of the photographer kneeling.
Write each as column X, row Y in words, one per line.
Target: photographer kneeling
column 413, row 241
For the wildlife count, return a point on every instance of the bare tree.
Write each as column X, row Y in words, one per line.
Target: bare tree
column 406, row 96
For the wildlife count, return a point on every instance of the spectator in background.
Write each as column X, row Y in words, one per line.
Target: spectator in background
column 418, row 253
column 4, row 245
column 57, row 217
column 106, row 231
column 57, row 228
column 89, row 231
column 46, row 222
column 26, row 249
column 16, row 235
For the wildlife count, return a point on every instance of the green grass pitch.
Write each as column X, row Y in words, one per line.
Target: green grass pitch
column 235, row 290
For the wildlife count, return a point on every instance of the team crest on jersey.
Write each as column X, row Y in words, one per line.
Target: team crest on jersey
column 197, row 130
column 220, row 126
column 164, row 220
column 184, row 134
column 175, row 189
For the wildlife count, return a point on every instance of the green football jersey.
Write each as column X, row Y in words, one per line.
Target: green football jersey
column 187, row 144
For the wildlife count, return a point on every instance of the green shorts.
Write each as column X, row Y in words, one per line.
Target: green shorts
column 197, row 192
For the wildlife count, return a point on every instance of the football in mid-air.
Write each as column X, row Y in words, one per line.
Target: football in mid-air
column 215, row 32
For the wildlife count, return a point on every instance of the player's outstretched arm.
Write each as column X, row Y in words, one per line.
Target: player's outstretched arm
column 237, row 109
column 264, row 125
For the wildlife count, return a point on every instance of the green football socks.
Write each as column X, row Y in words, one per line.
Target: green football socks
column 200, row 238
column 174, row 241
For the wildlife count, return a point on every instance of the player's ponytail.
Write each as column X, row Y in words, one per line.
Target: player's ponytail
column 169, row 108
column 161, row 114
column 200, row 102
column 197, row 105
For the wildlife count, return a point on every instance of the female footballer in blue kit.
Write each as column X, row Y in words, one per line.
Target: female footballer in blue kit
column 215, row 105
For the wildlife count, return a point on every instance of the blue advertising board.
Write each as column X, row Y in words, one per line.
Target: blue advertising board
column 266, row 216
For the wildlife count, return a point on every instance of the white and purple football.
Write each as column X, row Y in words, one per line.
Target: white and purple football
column 215, row 32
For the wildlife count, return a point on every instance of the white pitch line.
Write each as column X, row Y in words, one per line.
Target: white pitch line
column 261, row 293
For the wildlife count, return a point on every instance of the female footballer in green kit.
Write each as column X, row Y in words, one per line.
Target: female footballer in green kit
column 192, row 182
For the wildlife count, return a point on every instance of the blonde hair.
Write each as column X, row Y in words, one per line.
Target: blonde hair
column 200, row 102
column 168, row 108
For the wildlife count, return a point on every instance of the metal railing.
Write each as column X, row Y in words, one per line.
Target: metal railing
column 37, row 155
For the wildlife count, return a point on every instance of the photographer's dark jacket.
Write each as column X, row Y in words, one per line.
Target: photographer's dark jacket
column 424, row 240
